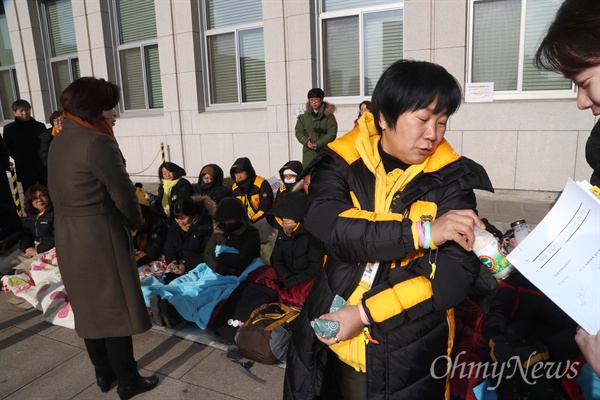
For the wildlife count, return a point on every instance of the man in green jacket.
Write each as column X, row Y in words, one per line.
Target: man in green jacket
column 316, row 126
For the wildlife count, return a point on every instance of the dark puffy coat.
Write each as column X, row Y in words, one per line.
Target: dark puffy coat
column 215, row 190
column 353, row 227
column 592, row 154
column 181, row 189
column 189, row 245
column 255, row 193
column 11, row 226
column 524, row 315
column 293, row 257
column 285, row 188
column 150, row 238
column 245, row 239
column 45, row 140
column 23, row 144
column 39, row 229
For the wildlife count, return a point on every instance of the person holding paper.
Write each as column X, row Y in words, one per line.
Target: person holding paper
column 392, row 205
column 572, row 47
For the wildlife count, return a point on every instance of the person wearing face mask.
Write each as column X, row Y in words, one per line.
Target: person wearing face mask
column 188, row 236
column 255, row 193
column 289, row 176
column 210, row 183
column 235, row 242
column 293, row 258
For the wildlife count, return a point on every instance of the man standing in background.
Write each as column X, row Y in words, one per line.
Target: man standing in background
column 317, row 126
column 22, row 141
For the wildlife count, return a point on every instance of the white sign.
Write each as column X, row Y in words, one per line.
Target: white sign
column 561, row 256
column 479, row 92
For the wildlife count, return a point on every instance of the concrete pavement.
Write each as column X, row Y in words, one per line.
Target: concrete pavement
column 42, row 361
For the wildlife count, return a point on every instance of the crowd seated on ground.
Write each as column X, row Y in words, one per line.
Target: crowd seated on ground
column 190, row 268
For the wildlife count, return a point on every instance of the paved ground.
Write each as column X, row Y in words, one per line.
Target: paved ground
column 43, row 361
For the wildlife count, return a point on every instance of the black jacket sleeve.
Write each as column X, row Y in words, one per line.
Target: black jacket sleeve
column 235, row 264
column 346, row 233
column 171, row 244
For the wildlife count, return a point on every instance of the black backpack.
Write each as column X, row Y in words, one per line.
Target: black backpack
column 247, row 297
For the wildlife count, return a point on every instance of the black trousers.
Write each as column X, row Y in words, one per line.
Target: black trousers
column 113, row 357
column 341, row 381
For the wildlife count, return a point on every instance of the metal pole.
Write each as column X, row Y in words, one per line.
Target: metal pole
column 162, row 151
column 169, row 152
column 13, row 179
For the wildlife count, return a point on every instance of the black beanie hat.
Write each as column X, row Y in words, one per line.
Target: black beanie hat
column 230, row 208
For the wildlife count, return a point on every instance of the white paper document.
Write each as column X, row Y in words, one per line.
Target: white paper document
column 561, row 256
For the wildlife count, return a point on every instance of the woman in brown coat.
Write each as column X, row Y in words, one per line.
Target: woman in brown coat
column 96, row 208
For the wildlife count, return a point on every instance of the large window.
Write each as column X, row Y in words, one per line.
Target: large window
column 504, row 37
column 64, row 64
column 9, row 91
column 359, row 41
column 138, row 55
column 236, row 51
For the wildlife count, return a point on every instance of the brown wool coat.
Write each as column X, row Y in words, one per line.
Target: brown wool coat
column 96, row 208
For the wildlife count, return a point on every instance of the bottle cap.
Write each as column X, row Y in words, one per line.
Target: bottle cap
column 517, row 223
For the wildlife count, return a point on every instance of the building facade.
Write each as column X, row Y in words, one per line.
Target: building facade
column 215, row 80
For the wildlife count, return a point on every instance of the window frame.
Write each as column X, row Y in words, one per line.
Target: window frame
column 141, row 45
column 519, row 93
column 360, row 12
column 14, row 90
column 14, row 84
column 50, row 59
column 235, row 30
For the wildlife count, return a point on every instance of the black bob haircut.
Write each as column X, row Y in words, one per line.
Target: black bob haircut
column 316, row 92
column 184, row 206
column 409, row 85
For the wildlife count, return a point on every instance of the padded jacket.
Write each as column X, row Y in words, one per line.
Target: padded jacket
column 357, row 213
column 38, row 228
column 255, row 192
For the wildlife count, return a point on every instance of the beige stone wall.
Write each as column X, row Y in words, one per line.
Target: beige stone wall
column 526, row 146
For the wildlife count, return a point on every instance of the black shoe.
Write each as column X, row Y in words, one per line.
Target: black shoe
column 141, row 385
column 157, row 316
column 169, row 314
column 105, row 382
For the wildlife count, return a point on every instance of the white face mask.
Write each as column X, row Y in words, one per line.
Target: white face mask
column 292, row 180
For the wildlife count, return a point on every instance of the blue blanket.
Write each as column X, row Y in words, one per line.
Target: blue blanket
column 195, row 294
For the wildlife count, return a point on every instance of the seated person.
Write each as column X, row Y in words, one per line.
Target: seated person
column 293, row 258
column 150, row 239
column 525, row 325
column 173, row 186
column 187, row 238
column 232, row 249
column 210, row 183
column 288, row 174
column 254, row 191
column 11, row 228
column 235, row 243
column 38, row 230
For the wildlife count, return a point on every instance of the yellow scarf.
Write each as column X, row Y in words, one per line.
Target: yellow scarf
column 167, row 186
column 101, row 126
column 54, row 131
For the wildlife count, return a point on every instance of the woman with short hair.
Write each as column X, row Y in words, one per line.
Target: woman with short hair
column 96, row 208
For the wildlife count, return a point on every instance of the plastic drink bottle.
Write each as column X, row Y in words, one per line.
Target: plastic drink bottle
column 520, row 229
column 488, row 249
